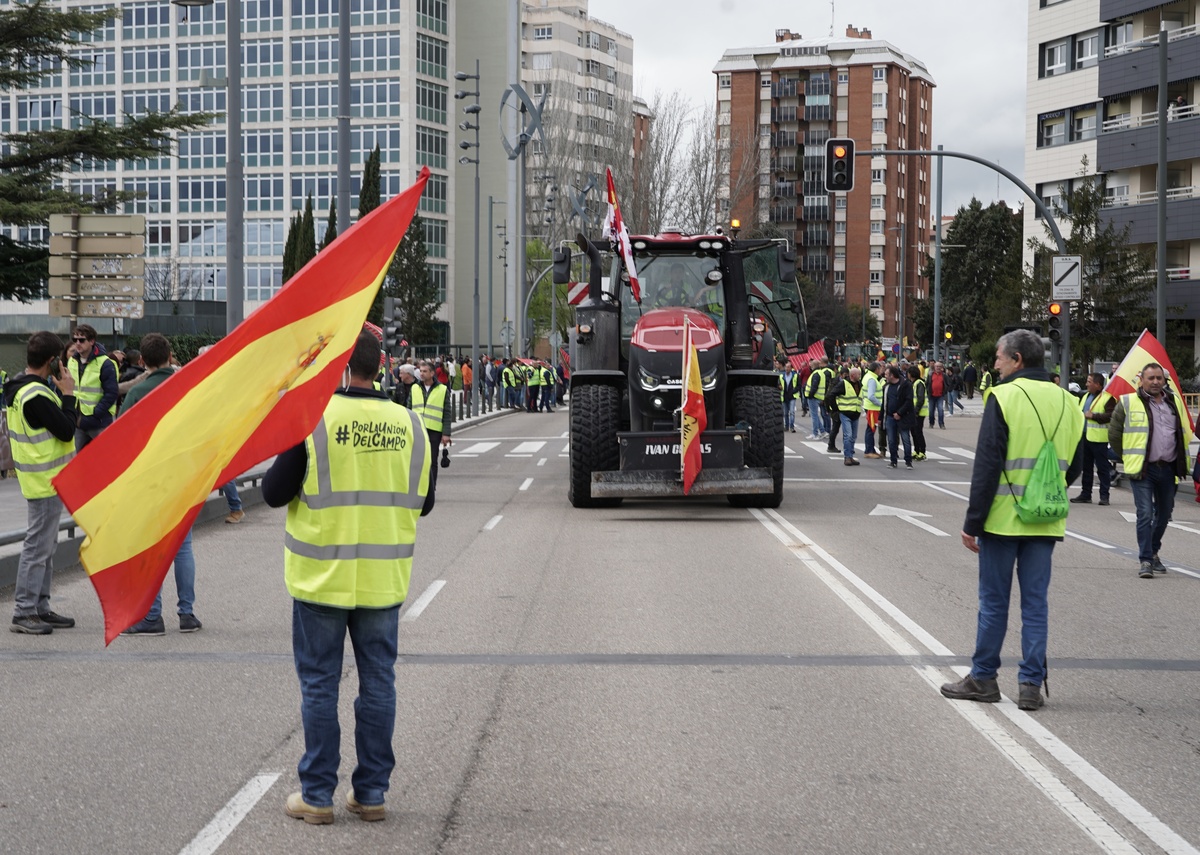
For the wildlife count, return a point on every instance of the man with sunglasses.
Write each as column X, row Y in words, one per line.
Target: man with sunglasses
column 95, row 376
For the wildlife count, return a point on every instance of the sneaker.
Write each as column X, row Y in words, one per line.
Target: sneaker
column 1146, row 571
column 147, row 627
column 367, row 813
column 1082, row 500
column 833, row 449
column 873, row 456
column 235, row 517
column 31, row 625
column 908, row 466
column 813, row 436
column 1030, row 697
column 1155, row 564
column 297, row 808
column 971, row 689
column 57, row 621
column 892, row 464
column 919, row 456
column 189, row 623
column 793, row 430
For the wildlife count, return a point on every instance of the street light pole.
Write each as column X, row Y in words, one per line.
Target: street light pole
column 937, row 263
column 343, row 120
column 472, row 110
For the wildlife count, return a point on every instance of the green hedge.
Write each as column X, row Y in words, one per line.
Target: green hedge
column 185, row 345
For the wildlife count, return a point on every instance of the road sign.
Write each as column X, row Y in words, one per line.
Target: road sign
column 97, row 308
column 896, row 348
column 506, row 333
column 1066, row 277
column 98, row 224
column 64, row 265
column 66, row 286
column 97, row 244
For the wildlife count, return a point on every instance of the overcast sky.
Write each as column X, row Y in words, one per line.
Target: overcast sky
column 974, row 50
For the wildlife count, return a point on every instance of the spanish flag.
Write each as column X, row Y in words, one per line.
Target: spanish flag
column 614, row 227
column 256, row 393
column 693, row 419
column 1145, row 350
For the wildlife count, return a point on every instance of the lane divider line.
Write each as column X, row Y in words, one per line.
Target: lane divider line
column 210, row 838
column 414, row 611
column 525, row 484
column 493, row 522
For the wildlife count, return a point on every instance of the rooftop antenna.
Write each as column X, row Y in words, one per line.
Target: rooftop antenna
column 832, row 16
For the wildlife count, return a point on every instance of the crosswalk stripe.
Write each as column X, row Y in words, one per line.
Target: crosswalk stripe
column 476, row 449
column 528, row 447
column 961, row 452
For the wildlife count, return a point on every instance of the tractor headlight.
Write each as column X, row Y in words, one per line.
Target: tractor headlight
column 647, row 380
column 708, row 381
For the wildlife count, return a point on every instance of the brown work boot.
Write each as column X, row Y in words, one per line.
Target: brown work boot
column 235, row 517
column 367, row 813
column 1030, row 697
column 297, row 808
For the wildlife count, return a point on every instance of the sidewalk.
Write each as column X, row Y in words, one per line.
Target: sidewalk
column 13, row 511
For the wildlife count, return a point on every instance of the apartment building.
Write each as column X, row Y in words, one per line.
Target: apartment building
column 777, row 105
column 156, row 55
column 1094, row 85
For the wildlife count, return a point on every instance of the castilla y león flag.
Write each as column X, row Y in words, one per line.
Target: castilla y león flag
column 1145, row 350
column 693, row 419
column 257, row 392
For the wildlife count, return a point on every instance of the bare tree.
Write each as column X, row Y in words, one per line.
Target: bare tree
column 655, row 177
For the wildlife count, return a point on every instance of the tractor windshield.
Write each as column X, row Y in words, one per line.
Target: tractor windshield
column 671, row 279
column 779, row 300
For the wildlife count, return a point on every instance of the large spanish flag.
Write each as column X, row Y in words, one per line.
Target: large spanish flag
column 1145, row 350
column 693, row 419
column 257, row 392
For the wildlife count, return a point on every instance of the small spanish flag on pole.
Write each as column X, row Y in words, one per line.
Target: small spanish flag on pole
column 1145, row 350
column 257, row 392
column 693, row 419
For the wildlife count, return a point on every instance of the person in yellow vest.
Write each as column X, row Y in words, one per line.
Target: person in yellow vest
column 533, row 386
column 96, row 392
column 1150, row 433
column 985, row 382
column 872, row 402
column 847, row 393
column 815, row 391
column 353, row 489
column 431, row 401
column 1097, row 407
column 41, row 429
column 549, row 386
column 1022, row 413
column 789, row 391
column 921, row 405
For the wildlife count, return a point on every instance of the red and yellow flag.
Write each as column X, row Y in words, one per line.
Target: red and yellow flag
column 257, row 392
column 1145, row 350
column 694, row 418
column 614, row 228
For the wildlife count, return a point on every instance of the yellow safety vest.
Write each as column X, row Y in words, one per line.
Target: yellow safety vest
column 1136, row 437
column 88, row 390
column 850, row 401
column 868, row 405
column 784, row 383
column 548, row 377
column 1063, row 423
column 431, row 409
column 349, row 537
column 38, row 455
column 823, row 376
column 533, row 377
column 1094, row 431
column 924, row 404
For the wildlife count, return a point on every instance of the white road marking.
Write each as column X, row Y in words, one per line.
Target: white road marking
column 477, row 448
column 525, row 484
column 528, row 448
column 933, row 455
column 493, row 522
column 908, row 516
column 542, row 462
column 1099, row 543
column 822, row 447
column 1132, row 517
column 1094, row 825
column 961, row 452
column 414, row 611
column 210, row 838
column 953, row 463
column 870, row 481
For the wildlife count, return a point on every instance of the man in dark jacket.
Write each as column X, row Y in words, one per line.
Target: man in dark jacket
column 970, row 377
column 898, row 414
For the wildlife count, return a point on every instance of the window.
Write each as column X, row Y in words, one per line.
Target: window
column 106, row 32
column 263, row 281
column 140, row 103
column 38, row 112
column 1054, row 58
column 1116, row 194
column 158, row 241
column 154, row 196
column 839, row 253
column 1087, row 49
column 364, row 140
column 877, row 252
column 204, row 20
column 878, row 176
column 431, row 14
column 97, row 107
column 314, row 14
column 435, row 237
column 321, row 187
column 876, row 227
column 315, row 55
column 202, row 194
column 262, row 16
column 146, row 64
column 262, row 103
column 205, row 56
column 877, row 201
column 99, row 68
column 839, row 228
column 432, row 56
column 876, row 302
column 146, row 20
column 876, row 277
column 202, row 100
column 878, row 100
column 262, row 58
column 541, row 61
column 431, row 102
column 265, row 193
column 431, row 147
column 839, row 203
column 314, row 146
column 877, row 126
column 879, row 74
column 543, row 34
column 263, row 148
column 264, row 237
column 1083, row 127
column 314, row 100
column 724, row 80
column 843, row 76
column 204, row 150
column 373, row 52
column 433, row 200
column 1116, row 36
column 1051, row 130
column 378, row 98
column 437, row 278
column 201, row 237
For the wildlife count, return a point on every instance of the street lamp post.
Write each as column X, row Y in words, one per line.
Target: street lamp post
column 472, row 110
column 903, row 229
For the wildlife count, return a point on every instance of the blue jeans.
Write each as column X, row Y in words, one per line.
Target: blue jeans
column 896, row 431
column 185, row 581
column 849, row 435
column 935, row 409
column 789, row 414
column 1095, row 454
column 952, row 402
column 1154, row 499
column 231, row 495
column 997, row 555
column 318, row 642
column 814, row 410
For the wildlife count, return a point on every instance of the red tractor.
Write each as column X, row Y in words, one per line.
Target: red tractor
column 740, row 298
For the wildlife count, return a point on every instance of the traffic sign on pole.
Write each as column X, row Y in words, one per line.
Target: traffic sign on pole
column 1066, row 279
column 95, row 266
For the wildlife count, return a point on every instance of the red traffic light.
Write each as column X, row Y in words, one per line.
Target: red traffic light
column 1056, row 308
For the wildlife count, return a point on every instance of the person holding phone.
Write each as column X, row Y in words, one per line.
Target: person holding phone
column 41, row 427
column 95, row 376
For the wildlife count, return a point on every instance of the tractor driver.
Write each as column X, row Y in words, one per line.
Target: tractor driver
column 674, row 292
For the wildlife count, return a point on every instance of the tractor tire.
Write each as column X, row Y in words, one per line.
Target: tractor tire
column 760, row 407
column 595, row 419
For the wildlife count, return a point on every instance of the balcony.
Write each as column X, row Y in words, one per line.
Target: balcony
column 783, row 114
column 1134, row 66
column 785, row 89
column 1139, row 211
column 1131, row 141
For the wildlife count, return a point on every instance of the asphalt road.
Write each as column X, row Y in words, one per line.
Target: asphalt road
column 662, row 677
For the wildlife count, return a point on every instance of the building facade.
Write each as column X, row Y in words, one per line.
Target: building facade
column 777, row 105
column 1094, row 85
column 156, row 55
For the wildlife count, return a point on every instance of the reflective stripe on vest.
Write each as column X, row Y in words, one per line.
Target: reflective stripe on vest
column 868, row 405
column 431, row 410
column 350, row 532
column 1136, row 435
column 850, row 401
column 1093, row 431
column 1063, row 423
column 37, row 456
column 88, row 390
column 533, row 377
column 822, row 380
column 924, row 404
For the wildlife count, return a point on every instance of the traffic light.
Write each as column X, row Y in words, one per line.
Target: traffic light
column 949, row 333
column 393, row 319
column 839, row 165
column 1056, row 321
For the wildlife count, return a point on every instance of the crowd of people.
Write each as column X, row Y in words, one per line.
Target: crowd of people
column 532, row 385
